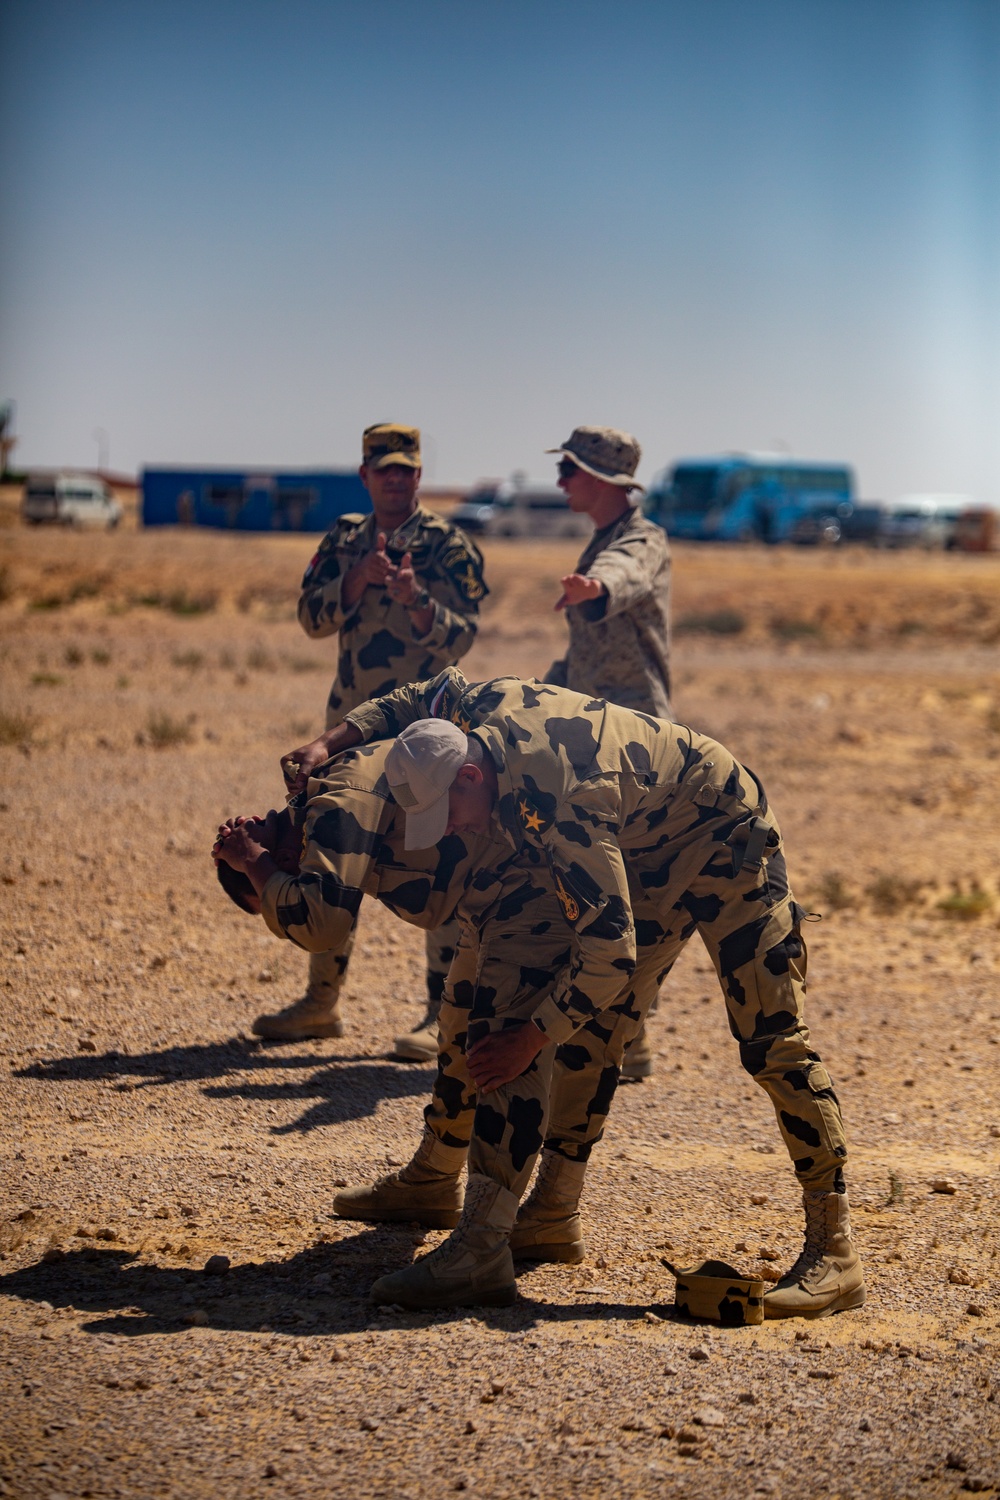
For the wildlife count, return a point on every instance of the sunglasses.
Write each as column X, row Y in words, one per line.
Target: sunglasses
column 567, row 468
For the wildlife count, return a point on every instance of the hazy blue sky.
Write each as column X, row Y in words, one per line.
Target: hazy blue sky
column 239, row 232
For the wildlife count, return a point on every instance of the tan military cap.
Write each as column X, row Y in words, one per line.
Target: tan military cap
column 718, row 1291
column 604, row 452
column 388, row 443
column 420, row 769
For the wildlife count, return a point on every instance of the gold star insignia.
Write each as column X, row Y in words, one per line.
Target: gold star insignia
column 531, row 818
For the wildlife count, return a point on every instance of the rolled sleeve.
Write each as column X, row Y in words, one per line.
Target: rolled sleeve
column 629, row 568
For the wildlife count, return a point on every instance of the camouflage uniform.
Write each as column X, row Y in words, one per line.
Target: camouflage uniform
column 353, row 845
column 650, row 831
column 619, row 644
column 379, row 650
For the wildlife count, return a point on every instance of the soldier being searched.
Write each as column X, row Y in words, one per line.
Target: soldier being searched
column 401, row 589
column 306, row 869
column 617, row 602
column 643, row 824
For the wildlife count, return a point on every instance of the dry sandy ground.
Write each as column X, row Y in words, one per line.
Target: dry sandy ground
column 145, row 1132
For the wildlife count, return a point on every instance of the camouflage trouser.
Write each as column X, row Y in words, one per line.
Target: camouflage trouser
column 562, row 1100
column 327, row 971
column 749, row 925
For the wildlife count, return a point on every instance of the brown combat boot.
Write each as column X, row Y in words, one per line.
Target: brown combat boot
column 312, row 1016
column 426, row 1191
column 473, row 1268
column 548, row 1222
column 421, row 1044
column 827, row 1277
column 638, row 1060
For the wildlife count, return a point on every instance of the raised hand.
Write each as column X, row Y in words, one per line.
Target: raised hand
column 577, row 588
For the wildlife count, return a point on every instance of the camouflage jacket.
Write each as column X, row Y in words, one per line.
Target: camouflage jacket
column 378, row 646
column 352, row 846
column 624, row 809
column 619, row 644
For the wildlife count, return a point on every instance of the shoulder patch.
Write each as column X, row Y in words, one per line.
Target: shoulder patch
column 464, row 566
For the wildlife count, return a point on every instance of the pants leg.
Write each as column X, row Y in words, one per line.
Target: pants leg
column 588, row 1066
column 327, row 971
column 449, row 1114
column 751, row 930
column 440, row 945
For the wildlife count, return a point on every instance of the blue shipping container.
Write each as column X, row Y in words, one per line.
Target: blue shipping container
column 251, row 500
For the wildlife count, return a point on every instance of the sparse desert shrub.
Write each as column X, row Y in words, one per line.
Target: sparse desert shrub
column 45, row 679
column 190, row 659
column 100, row 657
column 88, row 588
column 47, row 601
column 303, row 664
column 258, row 660
column 15, row 728
column 73, row 656
column 897, row 1189
column 833, row 893
column 162, row 731
column 6, row 585
column 712, row 622
column 966, row 906
column 179, row 602
column 890, row 893
column 785, row 629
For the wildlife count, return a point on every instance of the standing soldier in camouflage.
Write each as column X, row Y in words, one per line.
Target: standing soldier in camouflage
column 644, row 826
column 617, row 603
column 401, row 588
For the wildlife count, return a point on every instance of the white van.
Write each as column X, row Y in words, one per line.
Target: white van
column 520, row 507
column 69, row 499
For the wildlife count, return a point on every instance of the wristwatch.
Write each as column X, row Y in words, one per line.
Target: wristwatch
column 420, row 600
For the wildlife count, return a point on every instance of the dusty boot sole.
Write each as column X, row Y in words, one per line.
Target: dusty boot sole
column 407, row 1050
column 844, row 1303
column 566, row 1253
column 634, row 1072
column 430, row 1218
column 504, row 1296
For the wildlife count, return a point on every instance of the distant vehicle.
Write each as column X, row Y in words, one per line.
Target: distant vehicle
column 849, row 521
column 978, row 529
column 929, row 521
column 69, row 499
column 746, row 497
column 520, row 507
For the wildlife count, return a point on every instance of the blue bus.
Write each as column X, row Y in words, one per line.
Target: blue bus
column 747, row 497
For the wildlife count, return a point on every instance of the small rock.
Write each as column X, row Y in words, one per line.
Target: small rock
column 337, row 1357
column 956, row 1461
column 84, row 1044
column 943, row 1185
column 974, row 1310
column 768, row 1252
column 959, row 1276
column 497, row 1387
column 105, row 1234
column 708, row 1416
column 52, row 1255
column 974, row 1482
column 764, row 1150
column 162, row 1213
column 995, row 1131
column 688, row 1450
column 700, row 1352
column 470, row 1427
column 370, row 1424
column 670, row 1369
column 636, row 1424
column 865, row 1425
column 689, row 1434
column 187, row 1212
column 265, row 977
column 270, row 1472
column 822, row 1374
column 217, row 1265
column 758, row 1199
column 651, row 1317
column 748, row 1398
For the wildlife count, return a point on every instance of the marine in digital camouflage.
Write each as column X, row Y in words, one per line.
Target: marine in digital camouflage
column 651, row 832
column 619, row 644
column 378, row 648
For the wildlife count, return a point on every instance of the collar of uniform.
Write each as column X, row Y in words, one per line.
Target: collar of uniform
column 400, row 539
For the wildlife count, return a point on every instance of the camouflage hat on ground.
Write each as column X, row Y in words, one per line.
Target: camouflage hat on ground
column 718, row 1291
column 388, row 443
column 604, row 452
column 420, row 769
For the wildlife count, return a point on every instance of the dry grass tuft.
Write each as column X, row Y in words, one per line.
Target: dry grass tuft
column 163, row 731
column 16, row 728
column 712, row 622
column 966, row 906
column 889, row 894
column 833, row 893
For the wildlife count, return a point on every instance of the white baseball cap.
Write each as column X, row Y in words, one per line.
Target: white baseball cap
column 421, row 768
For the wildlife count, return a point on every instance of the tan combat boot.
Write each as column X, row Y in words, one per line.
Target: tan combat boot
column 473, row 1268
column 548, row 1223
column 638, row 1060
column 421, row 1044
column 309, row 1017
column 827, row 1277
column 426, row 1191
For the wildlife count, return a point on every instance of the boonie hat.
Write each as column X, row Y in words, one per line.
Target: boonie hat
column 420, row 769
column 388, row 443
column 604, row 452
column 718, row 1291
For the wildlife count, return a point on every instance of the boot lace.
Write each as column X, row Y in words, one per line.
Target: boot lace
column 814, row 1245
